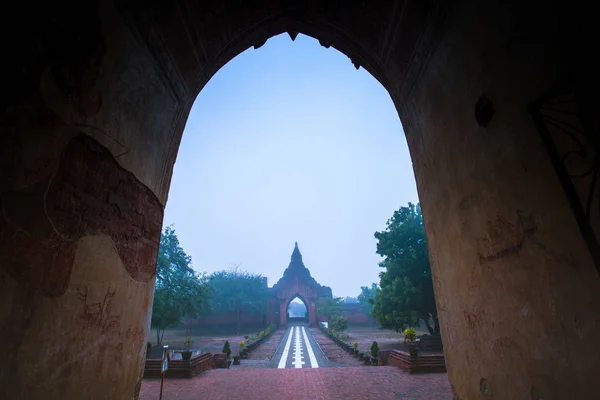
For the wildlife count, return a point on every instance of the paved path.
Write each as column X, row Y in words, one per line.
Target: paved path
column 297, row 370
column 302, row 383
column 298, row 349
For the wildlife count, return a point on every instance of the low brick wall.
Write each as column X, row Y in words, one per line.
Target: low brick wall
column 419, row 363
column 383, row 357
column 179, row 368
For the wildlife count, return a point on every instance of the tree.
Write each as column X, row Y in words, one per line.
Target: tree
column 406, row 287
column 350, row 300
column 330, row 307
column 339, row 323
column 227, row 349
column 366, row 298
column 239, row 292
column 179, row 291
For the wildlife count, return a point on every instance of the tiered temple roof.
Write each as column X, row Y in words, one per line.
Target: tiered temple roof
column 296, row 269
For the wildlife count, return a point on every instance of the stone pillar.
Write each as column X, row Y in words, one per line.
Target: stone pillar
column 516, row 287
column 81, row 218
column 312, row 314
column 283, row 312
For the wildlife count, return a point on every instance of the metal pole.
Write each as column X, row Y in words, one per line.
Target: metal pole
column 163, row 371
column 162, row 380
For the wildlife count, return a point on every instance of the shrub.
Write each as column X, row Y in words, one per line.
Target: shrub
column 242, row 345
column 339, row 323
column 227, row 349
column 374, row 349
column 410, row 334
column 355, row 344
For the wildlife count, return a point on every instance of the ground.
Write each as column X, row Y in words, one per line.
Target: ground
column 323, row 384
column 211, row 342
column 341, row 376
column 385, row 338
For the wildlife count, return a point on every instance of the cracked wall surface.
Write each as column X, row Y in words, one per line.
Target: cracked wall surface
column 96, row 97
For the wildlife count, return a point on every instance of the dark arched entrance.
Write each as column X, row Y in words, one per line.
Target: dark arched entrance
column 297, row 311
column 94, row 99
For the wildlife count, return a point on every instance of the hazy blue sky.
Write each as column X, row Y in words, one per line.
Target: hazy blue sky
column 290, row 143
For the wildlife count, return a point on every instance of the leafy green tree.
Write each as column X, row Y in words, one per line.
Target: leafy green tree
column 180, row 291
column 406, row 287
column 330, row 307
column 239, row 292
column 339, row 323
column 366, row 298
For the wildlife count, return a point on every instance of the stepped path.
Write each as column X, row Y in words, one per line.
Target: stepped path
column 292, row 365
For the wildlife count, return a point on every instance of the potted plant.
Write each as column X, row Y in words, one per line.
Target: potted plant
column 227, row 350
column 410, row 334
column 236, row 359
column 187, row 354
column 148, row 348
column 374, row 353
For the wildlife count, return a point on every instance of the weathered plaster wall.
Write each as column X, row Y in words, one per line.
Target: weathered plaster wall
column 516, row 288
column 80, row 223
column 81, row 214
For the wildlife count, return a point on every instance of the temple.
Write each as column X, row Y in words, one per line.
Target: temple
column 295, row 282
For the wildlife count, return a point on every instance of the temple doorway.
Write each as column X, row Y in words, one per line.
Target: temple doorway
column 297, row 311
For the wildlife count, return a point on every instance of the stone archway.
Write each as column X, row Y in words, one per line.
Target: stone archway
column 297, row 318
column 296, row 282
column 95, row 97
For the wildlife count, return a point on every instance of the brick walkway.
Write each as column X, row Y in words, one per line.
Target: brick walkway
column 297, row 384
column 261, row 356
column 333, row 351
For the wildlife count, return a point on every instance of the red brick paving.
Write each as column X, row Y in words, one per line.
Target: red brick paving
column 297, row 384
column 333, row 351
column 265, row 350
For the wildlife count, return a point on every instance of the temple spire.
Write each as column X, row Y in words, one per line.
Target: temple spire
column 296, row 253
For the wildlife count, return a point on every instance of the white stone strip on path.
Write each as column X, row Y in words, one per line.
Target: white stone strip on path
column 311, row 354
column 286, row 350
column 297, row 349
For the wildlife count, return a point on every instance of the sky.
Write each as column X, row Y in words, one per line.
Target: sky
column 290, row 143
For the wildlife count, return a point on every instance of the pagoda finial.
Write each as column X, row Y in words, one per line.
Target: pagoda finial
column 296, row 254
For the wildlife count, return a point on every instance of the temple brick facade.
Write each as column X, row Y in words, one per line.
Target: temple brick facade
column 295, row 282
